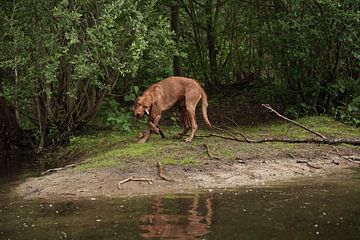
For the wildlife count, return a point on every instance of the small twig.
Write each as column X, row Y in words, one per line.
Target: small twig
column 236, row 131
column 226, row 131
column 209, row 153
column 313, row 166
column 308, row 164
column 340, row 155
column 354, row 158
column 132, row 178
column 161, row 173
column 293, row 122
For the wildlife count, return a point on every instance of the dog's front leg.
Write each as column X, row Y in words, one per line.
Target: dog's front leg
column 153, row 127
column 146, row 134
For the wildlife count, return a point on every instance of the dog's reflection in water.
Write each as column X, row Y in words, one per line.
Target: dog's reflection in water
column 189, row 225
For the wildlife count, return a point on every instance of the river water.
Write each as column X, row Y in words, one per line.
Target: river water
column 315, row 208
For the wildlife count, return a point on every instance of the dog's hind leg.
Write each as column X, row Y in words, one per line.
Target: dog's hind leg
column 191, row 100
column 185, row 122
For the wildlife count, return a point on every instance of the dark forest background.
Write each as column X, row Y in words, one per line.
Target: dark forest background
column 65, row 63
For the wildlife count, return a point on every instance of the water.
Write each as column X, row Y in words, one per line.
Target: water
column 317, row 208
column 14, row 166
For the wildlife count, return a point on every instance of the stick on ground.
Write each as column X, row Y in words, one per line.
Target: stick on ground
column 209, row 153
column 132, row 178
column 161, row 173
column 52, row 170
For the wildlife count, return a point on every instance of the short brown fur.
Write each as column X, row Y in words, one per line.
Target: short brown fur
column 164, row 95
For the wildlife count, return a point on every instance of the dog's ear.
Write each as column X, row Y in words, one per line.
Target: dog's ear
column 148, row 101
column 157, row 95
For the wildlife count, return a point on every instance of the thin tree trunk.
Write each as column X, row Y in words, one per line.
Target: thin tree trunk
column 175, row 26
column 211, row 42
column 17, row 114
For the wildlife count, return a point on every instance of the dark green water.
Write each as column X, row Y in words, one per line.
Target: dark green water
column 326, row 208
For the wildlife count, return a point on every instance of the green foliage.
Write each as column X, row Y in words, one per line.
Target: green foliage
column 70, row 55
column 349, row 113
column 116, row 117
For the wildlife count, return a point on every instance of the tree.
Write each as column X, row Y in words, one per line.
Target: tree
column 69, row 55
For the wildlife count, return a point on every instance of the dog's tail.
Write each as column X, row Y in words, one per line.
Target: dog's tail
column 204, row 105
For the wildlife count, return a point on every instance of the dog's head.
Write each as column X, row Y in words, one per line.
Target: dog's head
column 142, row 106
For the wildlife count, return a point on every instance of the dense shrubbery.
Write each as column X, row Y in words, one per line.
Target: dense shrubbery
column 60, row 60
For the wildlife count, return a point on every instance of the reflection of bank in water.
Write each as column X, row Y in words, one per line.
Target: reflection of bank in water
column 162, row 224
column 14, row 165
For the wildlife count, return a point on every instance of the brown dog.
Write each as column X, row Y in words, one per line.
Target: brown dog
column 165, row 94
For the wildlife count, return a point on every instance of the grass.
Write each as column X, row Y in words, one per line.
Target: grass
column 189, row 161
column 321, row 124
column 114, row 149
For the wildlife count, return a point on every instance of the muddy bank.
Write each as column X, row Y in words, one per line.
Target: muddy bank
column 206, row 163
column 93, row 183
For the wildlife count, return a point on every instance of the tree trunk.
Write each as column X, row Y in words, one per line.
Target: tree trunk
column 211, row 42
column 175, row 27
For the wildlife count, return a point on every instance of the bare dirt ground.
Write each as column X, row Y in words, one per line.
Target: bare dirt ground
column 215, row 174
column 207, row 163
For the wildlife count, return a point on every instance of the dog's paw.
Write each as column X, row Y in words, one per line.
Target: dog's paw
column 141, row 134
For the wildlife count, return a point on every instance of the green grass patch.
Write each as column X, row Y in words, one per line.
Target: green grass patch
column 226, row 152
column 109, row 149
column 168, row 161
column 321, row 124
column 189, row 161
column 99, row 163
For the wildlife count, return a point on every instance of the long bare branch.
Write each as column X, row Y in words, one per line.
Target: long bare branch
column 293, row 122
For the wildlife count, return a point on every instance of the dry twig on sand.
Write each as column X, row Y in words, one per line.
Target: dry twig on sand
column 52, row 170
column 161, row 173
column 132, row 178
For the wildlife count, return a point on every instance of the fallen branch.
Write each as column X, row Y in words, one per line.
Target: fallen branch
column 322, row 140
column 132, row 178
column 293, row 122
column 209, row 154
column 330, row 141
column 161, row 173
column 51, row 170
